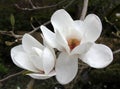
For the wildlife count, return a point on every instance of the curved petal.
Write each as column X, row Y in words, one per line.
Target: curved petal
column 66, row 68
column 62, row 22
column 24, row 61
column 80, row 26
column 49, row 37
column 98, row 56
column 28, row 42
column 15, row 51
column 48, row 60
column 37, row 51
column 36, row 58
column 93, row 27
column 37, row 62
column 62, row 42
column 82, row 48
column 42, row 76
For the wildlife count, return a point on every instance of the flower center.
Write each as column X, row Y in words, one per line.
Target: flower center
column 72, row 43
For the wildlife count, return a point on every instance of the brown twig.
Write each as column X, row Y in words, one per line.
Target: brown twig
column 48, row 22
column 116, row 51
column 36, row 28
column 31, row 4
column 68, row 4
column 10, row 76
column 10, row 33
column 84, row 10
column 37, row 7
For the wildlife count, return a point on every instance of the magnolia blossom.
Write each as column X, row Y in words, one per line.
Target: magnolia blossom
column 34, row 57
column 76, row 39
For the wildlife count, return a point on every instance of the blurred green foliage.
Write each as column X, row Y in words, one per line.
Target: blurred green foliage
column 3, row 69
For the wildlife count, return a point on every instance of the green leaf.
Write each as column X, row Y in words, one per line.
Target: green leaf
column 12, row 20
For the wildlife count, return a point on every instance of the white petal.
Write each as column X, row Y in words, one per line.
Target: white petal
column 37, row 51
column 80, row 26
column 82, row 48
column 15, row 51
column 66, row 68
column 63, row 22
column 28, row 42
column 98, row 56
column 37, row 62
column 24, row 61
column 37, row 58
column 49, row 37
column 62, row 42
column 42, row 76
column 48, row 60
column 93, row 27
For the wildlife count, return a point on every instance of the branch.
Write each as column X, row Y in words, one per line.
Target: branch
column 10, row 33
column 68, row 4
column 31, row 4
column 37, row 7
column 48, row 22
column 10, row 76
column 84, row 10
column 116, row 51
column 117, row 34
column 36, row 28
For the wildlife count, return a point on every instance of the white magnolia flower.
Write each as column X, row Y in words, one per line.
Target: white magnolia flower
column 76, row 39
column 33, row 56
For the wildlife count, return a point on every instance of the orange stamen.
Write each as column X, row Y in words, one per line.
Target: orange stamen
column 72, row 43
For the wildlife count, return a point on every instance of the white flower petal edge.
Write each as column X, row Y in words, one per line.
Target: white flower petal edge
column 62, row 42
column 66, row 68
column 36, row 59
column 15, row 51
column 28, row 42
column 62, row 22
column 82, row 49
column 24, row 60
column 48, row 60
column 93, row 27
column 49, row 36
column 45, row 61
column 42, row 76
column 80, row 26
column 98, row 56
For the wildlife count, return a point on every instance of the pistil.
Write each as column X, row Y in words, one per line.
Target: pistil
column 73, row 42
